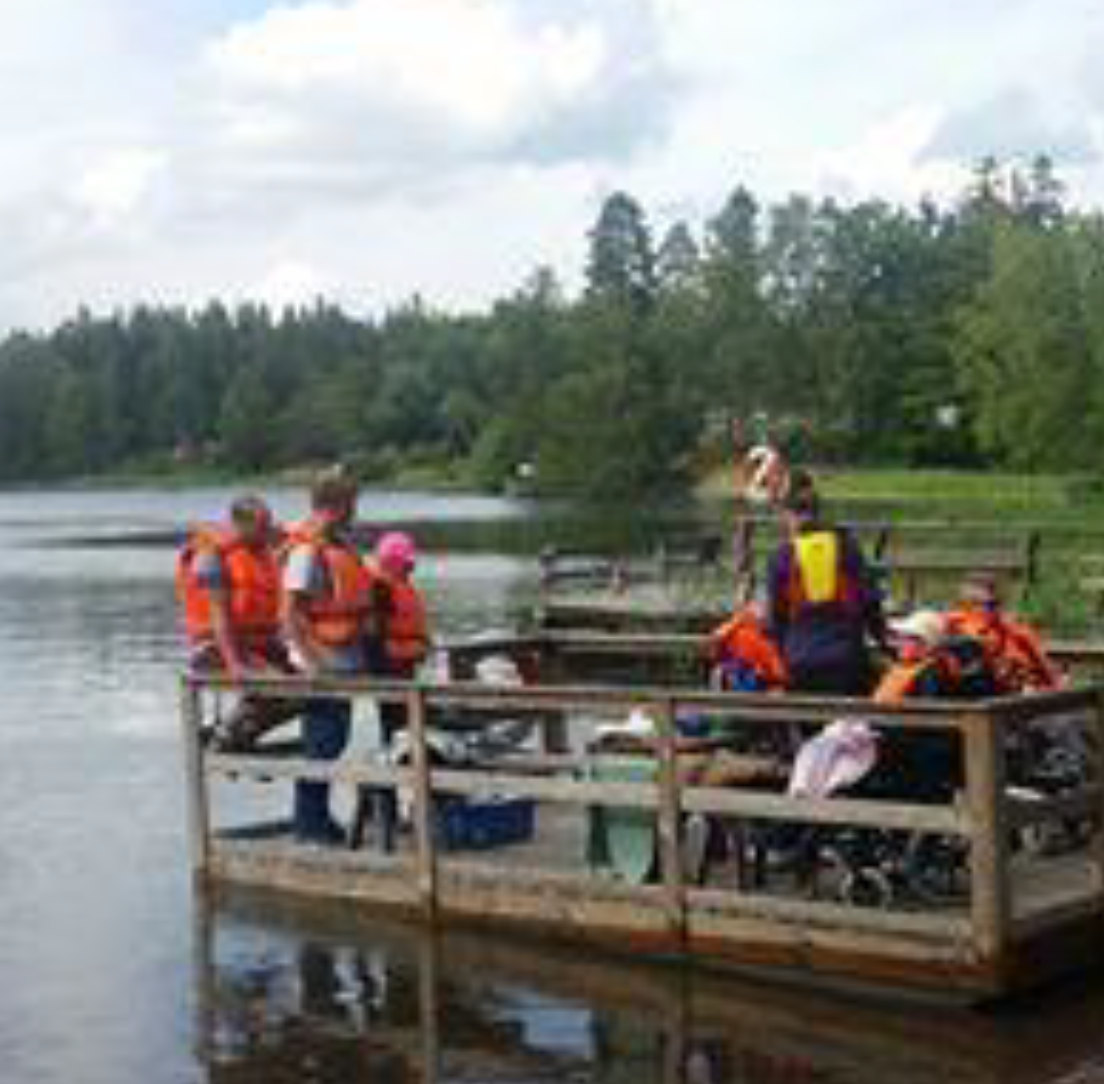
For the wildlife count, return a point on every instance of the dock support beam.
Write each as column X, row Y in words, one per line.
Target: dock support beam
column 670, row 822
column 424, row 835
column 990, row 906
column 199, row 820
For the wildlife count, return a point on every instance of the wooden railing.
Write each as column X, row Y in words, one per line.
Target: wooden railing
column 969, row 944
column 913, row 556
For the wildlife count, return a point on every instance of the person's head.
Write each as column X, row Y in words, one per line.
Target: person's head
column 396, row 553
column 252, row 520
column 334, row 496
column 757, row 606
column 979, row 592
column 918, row 634
column 802, row 502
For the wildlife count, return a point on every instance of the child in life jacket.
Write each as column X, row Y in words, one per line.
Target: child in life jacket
column 743, row 656
column 396, row 643
column 923, row 765
column 920, row 668
column 398, row 631
column 1013, row 649
column 932, row 661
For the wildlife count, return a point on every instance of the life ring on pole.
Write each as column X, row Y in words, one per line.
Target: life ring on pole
column 766, row 475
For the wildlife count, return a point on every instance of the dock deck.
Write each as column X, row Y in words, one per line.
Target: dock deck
column 1008, row 916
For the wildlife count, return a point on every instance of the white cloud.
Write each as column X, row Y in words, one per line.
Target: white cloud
column 430, row 84
column 112, row 187
column 888, row 161
column 290, row 282
column 468, row 61
column 370, row 149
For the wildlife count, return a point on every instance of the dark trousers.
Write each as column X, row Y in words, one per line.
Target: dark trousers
column 325, row 731
column 854, row 677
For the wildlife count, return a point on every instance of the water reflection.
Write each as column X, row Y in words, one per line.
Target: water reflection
column 291, row 992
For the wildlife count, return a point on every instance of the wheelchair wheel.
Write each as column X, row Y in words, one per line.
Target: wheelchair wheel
column 866, row 887
column 935, row 868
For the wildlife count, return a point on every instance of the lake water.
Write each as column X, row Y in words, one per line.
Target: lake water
column 112, row 971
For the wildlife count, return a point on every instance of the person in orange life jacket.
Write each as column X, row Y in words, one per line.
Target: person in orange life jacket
column 932, row 661
column 398, row 629
column 326, row 598
column 822, row 600
column 228, row 583
column 397, row 639
column 919, row 669
column 744, row 657
column 1013, row 648
column 396, row 643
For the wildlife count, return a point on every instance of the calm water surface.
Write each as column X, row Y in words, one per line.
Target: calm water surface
column 111, row 971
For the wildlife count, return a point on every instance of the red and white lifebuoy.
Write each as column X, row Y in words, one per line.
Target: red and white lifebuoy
column 766, row 475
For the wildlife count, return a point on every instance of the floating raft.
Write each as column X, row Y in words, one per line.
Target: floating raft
column 1015, row 918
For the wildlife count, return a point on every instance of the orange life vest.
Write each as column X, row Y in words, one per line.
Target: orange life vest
column 251, row 581
column 1012, row 649
column 744, row 639
column 900, row 681
column 336, row 616
column 404, row 625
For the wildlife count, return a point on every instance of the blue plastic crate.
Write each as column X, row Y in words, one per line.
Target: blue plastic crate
column 489, row 822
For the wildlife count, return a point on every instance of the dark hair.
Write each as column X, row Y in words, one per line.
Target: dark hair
column 802, row 498
column 248, row 509
column 333, row 489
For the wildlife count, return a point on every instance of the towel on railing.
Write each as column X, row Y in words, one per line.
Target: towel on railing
column 840, row 755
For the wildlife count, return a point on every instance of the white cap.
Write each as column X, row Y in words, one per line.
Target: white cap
column 924, row 625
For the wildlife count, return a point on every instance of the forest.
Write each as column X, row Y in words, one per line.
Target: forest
column 969, row 334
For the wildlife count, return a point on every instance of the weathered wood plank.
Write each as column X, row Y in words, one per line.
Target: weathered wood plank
column 669, row 820
column 985, row 948
column 425, row 838
column 195, row 784
column 989, row 882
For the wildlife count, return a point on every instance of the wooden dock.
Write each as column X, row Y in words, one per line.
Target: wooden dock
column 1020, row 918
column 685, row 587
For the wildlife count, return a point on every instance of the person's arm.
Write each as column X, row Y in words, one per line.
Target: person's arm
column 425, row 637
column 870, row 595
column 222, row 630
column 299, row 578
column 211, row 577
column 1027, row 649
column 778, row 610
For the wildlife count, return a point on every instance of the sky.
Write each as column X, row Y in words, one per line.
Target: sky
column 363, row 151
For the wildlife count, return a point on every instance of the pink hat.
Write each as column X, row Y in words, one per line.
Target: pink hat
column 396, row 550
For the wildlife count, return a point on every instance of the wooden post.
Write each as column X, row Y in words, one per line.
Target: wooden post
column 199, row 820
column 663, row 563
column 676, row 1032
column 204, row 977
column 429, row 984
column 990, row 904
column 669, row 821
column 1031, row 563
column 546, row 562
column 880, row 550
column 743, row 553
column 553, row 726
column 1098, row 778
column 425, row 837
